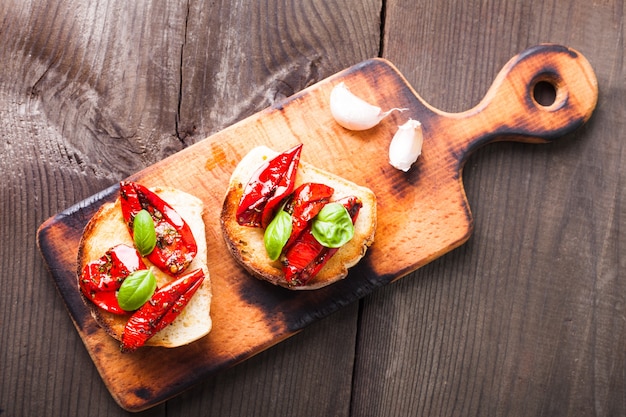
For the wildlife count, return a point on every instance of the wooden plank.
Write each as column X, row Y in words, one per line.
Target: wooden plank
column 67, row 133
column 523, row 319
column 248, row 315
column 90, row 94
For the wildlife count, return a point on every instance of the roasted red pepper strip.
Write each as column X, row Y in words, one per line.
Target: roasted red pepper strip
column 161, row 310
column 308, row 199
column 306, row 257
column 100, row 279
column 175, row 246
column 267, row 188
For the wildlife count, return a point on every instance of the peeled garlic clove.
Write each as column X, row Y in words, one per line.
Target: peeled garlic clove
column 353, row 112
column 406, row 145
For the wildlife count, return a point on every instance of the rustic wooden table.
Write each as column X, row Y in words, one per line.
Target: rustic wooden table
column 527, row 318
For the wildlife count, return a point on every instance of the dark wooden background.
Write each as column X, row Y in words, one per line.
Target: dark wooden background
column 528, row 318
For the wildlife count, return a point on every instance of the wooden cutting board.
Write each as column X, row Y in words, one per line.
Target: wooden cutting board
column 422, row 214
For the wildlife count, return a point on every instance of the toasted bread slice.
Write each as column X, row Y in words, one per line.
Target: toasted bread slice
column 246, row 243
column 107, row 229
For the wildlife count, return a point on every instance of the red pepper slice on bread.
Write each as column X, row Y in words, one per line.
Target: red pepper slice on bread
column 267, row 188
column 308, row 199
column 176, row 246
column 305, row 257
column 161, row 310
column 101, row 278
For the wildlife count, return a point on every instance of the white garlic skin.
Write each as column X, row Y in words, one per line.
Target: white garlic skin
column 406, row 145
column 353, row 112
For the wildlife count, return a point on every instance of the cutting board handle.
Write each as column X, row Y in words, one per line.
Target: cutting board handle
column 540, row 94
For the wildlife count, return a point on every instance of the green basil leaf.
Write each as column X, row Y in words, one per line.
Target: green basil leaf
column 332, row 227
column 277, row 233
column 136, row 289
column 144, row 233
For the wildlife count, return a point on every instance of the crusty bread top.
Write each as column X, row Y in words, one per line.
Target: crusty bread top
column 246, row 243
column 107, row 229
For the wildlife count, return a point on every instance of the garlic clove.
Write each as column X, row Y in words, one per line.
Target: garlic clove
column 406, row 145
column 353, row 112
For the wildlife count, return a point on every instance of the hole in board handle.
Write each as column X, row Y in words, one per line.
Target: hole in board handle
column 544, row 93
column 548, row 92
